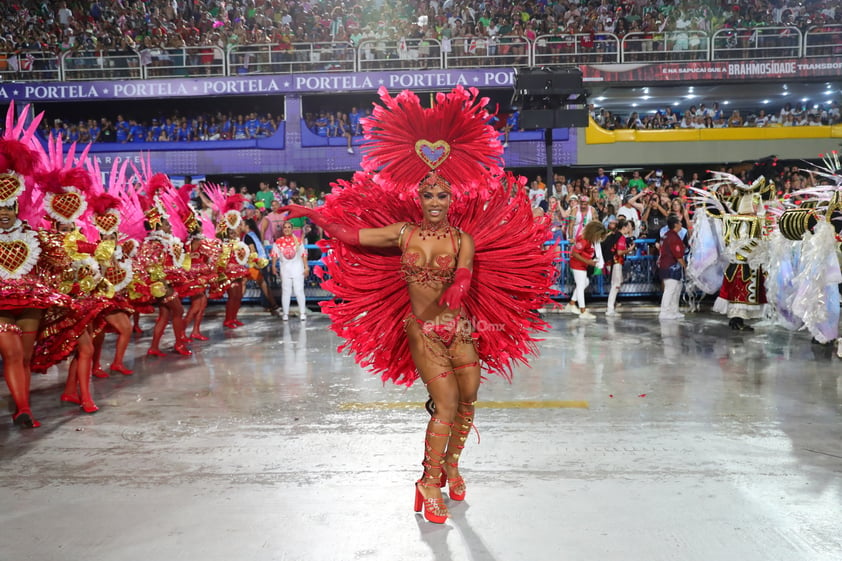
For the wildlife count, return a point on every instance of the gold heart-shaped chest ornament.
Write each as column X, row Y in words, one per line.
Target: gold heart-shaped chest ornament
column 115, row 275
column 18, row 254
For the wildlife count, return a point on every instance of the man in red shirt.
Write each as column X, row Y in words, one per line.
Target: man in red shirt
column 671, row 266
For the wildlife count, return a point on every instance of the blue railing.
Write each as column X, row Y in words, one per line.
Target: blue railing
column 640, row 276
column 640, row 273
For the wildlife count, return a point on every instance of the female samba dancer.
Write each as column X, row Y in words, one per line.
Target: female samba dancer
column 204, row 253
column 234, row 257
column 445, row 229
column 66, row 186
column 25, row 297
column 115, row 266
column 436, row 262
column 163, row 257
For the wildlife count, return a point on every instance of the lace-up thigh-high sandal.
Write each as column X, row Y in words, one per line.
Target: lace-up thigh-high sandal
column 455, row 445
column 438, row 433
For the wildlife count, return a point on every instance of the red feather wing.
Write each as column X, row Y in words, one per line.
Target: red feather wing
column 512, row 277
column 371, row 297
column 513, row 273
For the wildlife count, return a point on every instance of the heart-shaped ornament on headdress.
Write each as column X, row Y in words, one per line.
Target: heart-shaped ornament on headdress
column 11, row 185
column 433, row 154
column 106, row 223
column 65, row 207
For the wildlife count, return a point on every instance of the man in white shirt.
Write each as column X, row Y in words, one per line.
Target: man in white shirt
column 631, row 210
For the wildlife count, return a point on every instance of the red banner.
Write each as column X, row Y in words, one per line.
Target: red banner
column 819, row 67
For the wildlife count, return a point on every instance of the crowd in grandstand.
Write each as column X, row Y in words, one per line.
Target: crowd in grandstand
column 178, row 128
column 170, row 128
column 155, row 26
column 715, row 117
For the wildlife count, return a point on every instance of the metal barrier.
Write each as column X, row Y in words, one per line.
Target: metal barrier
column 183, row 62
column 272, row 58
column 30, row 66
column 671, row 46
column 761, row 43
column 99, row 65
column 576, row 48
column 757, row 43
column 404, row 54
column 472, row 52
column 823, row 40
column 640, row 273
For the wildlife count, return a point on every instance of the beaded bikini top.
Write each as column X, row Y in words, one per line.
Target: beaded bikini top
column 442, row 269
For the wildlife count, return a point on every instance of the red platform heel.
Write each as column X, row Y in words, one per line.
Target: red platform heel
column 434, row 508
column 71, row 398
column 121, row 369
column 99, row 372
column 24, row 420
column 181, row 348
column 155, row 352
column 199, row 337
column 89, row 406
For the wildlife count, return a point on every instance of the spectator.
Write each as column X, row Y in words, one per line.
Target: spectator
column 270, row 225
column 581, row 213
column 601, row 180
column 121, row 128
column 585, row 253
column 512, row 124
column 631, row 211
column 264, row 197
column 636, row 183
column 671, row 266
column 654, row 215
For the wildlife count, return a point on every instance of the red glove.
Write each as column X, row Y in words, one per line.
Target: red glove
column 455, row 293
column 344, row 234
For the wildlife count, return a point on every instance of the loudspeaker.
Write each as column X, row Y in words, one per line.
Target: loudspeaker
column 548, row 81
column 532, row 119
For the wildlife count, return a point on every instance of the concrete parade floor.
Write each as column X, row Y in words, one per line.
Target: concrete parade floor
column 626, row 440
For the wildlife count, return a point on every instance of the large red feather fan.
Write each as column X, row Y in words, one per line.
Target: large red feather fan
column 513, row 273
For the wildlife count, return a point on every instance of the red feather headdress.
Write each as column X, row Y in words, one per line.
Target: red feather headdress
column 453, row 139
column 66, row 184
column 227, row 206
column 18, row 159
